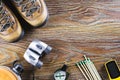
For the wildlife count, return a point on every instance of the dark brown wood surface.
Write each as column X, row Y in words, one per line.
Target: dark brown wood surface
column 75, row 28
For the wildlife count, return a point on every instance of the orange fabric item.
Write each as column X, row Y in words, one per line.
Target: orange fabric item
column 7, row 75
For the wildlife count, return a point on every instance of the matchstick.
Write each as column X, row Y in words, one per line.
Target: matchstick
column 82, row 71
column 90, row 68
column 95, row 70
column 87, row 70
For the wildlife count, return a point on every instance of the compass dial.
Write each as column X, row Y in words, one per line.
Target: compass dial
column 60, row 75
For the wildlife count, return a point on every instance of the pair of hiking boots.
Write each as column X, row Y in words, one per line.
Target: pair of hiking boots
column 33, row 12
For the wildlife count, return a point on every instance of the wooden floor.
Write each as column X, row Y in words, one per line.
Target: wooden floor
column 75, row 28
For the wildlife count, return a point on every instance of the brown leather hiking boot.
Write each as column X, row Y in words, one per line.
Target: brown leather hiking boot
column 33, row 11
column 10, row 29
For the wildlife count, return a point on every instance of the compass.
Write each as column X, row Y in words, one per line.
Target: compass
column 61, row 74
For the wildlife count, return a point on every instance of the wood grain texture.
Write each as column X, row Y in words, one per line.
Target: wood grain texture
column 75, row 28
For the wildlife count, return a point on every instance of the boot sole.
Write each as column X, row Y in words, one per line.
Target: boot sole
column 20, row 37
column 44, row 22
column 41, row 25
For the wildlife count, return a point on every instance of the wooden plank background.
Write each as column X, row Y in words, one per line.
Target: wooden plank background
column 75, row 28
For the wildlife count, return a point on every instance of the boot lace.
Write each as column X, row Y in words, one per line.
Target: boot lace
column 5, row 19
column 28, row 6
